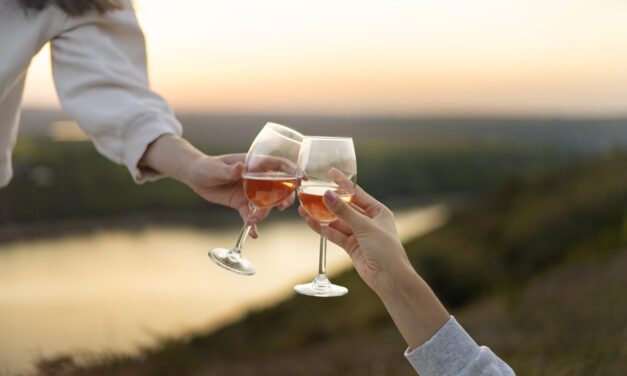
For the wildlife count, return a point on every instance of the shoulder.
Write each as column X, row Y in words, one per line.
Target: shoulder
column 23, row 32
column 8, row 5
column 15, row 20
column 114, row 18
column 117, row 29
column 11, row 9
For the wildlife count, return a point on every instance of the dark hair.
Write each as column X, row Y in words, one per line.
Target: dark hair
column 75, row 7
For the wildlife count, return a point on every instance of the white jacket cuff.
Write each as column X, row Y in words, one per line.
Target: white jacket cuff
column 6, row 170
column 141, row 134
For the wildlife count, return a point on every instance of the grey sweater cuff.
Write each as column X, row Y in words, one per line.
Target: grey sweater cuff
column 448, row 352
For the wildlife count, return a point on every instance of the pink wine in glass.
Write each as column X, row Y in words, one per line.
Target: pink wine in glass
column 268, row 190
column 311, row 199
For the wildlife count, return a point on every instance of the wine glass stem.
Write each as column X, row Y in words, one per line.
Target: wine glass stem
column 244, row 234
column 322, row 263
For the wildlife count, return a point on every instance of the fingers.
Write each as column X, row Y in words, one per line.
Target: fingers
column 257, row 217
column 338, row 225
column 233, row 158
column 234, row 172
column 310, row 221
column 342, row 180
column 226, row 173
column 361, row 199
column 269, row 163
column 252, row 219
column 337, row 237
column 359, row 223
column 302, row 212
column 227, row 168
column 341, row 226
column 244, row 212
column 368, row 203
column 334, row 235
column 287, row 202
column 359, row 209
column 253, row 232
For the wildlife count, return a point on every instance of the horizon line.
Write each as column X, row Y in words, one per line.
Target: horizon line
column 377, row 115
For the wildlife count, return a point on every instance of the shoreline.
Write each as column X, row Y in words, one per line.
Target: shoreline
column 221, row 218
column 10, row 234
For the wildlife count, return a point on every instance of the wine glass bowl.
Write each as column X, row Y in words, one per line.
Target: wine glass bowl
column 311, row 199
column 270, row 176
column 268, row 190
column 321, row 159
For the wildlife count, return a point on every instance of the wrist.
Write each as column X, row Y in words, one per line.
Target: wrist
column 174, row 157
column 196, row 171
column 415, row 309
column 395, row 280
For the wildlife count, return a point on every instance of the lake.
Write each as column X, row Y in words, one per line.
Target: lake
column 119, row 291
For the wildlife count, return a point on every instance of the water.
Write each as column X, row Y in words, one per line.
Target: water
column 118, row 290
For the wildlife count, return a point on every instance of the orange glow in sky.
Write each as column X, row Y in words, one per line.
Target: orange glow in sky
column 402, row 57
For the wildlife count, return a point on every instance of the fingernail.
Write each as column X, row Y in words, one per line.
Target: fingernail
column 330, row 197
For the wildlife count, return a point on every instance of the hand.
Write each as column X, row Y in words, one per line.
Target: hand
column 368, row 234
column 219, row 180
column 216, row 179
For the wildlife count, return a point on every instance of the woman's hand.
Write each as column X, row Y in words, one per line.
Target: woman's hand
column 217, row 179
column 368, row 234
column 366, row 230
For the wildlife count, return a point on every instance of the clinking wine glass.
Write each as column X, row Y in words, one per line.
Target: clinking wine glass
column 270, row 176
column 318, row 156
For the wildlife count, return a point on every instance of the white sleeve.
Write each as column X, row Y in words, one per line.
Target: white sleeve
column 452, row 352
column 100, row 71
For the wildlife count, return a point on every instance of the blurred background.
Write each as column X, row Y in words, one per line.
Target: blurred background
column 496, row 130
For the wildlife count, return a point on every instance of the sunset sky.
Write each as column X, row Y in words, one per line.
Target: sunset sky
column 405, row 57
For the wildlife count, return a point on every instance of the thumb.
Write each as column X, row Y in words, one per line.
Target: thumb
column 337, row 206
column 231, row 172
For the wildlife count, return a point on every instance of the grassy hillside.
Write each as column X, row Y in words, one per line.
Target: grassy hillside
column 527, row 226
column 535, row 271
column 70, row 181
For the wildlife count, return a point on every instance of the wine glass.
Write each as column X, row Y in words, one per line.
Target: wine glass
column 318, row 156
column 270, row 176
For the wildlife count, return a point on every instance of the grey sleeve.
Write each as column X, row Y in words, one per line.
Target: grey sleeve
column 452, row 352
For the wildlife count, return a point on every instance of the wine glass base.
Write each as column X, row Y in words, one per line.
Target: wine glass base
column 231, row 261
column 321, row 287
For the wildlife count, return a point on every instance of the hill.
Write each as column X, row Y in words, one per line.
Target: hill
column 62, row 186
column 238, row 130
column 534, row 270
column 58, row 182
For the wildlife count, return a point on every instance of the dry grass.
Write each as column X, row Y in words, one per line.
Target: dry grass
column 571, row 321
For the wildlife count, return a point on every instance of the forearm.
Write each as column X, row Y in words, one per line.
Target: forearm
column 416, row 311
column 171, row 155
column 438, row 345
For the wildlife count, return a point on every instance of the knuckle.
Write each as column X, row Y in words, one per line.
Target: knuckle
column 339, row 206
column 388, row 212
